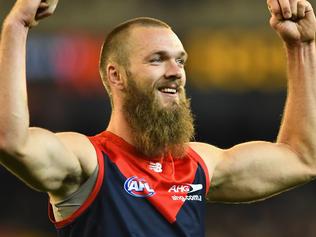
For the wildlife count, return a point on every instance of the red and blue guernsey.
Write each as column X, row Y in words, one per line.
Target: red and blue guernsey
column 141, row 198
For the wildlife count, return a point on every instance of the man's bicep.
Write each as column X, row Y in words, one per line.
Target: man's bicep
column 256, row 170
column 44, row 162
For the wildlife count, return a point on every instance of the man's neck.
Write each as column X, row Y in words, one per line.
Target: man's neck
column 119, row 126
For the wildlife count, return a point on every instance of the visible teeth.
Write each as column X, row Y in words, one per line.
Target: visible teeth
column 169, row 90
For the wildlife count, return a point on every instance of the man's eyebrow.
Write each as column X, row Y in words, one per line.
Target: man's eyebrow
column 164, row 53
column 184, row 54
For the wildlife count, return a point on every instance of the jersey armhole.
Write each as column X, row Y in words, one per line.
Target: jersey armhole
column 201, row 162
column 91, row 197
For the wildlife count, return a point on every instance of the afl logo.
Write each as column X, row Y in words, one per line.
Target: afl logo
column 138, row 187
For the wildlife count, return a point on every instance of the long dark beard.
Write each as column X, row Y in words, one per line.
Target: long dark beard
column 158, row 131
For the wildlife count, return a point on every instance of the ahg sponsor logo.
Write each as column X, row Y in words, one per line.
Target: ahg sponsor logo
column 185, row 188
column 138, row 187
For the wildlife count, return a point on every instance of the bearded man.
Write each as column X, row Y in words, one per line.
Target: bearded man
column 143, row 176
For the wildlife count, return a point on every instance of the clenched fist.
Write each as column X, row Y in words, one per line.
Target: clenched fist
column 29, row 12
column 294, row 20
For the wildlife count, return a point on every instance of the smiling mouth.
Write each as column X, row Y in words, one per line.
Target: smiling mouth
column 168, row 90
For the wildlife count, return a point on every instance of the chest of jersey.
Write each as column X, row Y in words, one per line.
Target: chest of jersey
column 137, row 197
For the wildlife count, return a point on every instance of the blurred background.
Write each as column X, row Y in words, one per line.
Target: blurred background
column 236, row 79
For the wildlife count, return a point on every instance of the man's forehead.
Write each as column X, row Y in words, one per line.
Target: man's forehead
column 153, row 38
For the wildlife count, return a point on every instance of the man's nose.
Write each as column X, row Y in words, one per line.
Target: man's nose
column 174, row 71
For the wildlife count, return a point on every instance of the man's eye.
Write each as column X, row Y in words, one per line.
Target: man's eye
column 155, row 60
column 180, row 61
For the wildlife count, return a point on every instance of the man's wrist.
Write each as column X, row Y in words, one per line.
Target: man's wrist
column 299, row 45
column 14, row 24
column 302, row 59
column 301, row 50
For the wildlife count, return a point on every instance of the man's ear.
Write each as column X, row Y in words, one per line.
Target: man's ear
column 114, row 75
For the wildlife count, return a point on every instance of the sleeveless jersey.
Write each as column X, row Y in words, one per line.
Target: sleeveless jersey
column 137, row 197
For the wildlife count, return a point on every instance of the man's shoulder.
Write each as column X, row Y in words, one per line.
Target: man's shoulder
column 77, row 142
column 210, row 154
column 205, row 150
column 82, row 148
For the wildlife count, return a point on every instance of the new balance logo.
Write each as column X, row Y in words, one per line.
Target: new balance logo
column 156, row 167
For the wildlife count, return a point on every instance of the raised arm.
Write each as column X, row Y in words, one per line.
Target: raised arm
column 257, row 170
column 45, row 161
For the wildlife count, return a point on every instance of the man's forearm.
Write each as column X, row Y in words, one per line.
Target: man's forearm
column 299, row 122
column 14, row 117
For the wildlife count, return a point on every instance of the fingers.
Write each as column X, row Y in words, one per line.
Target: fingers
column 275, row 9
column 43, row 5
column 285, row 6
column 289, row 9
column 293, row 7
column 301, row 9
column 45, row 9
column 42, row 15
column 42, row 11
column 304, row 8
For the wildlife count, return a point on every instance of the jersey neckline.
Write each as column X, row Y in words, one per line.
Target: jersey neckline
column 119, row 141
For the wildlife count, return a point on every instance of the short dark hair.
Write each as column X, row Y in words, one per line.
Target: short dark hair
column 115, row 44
